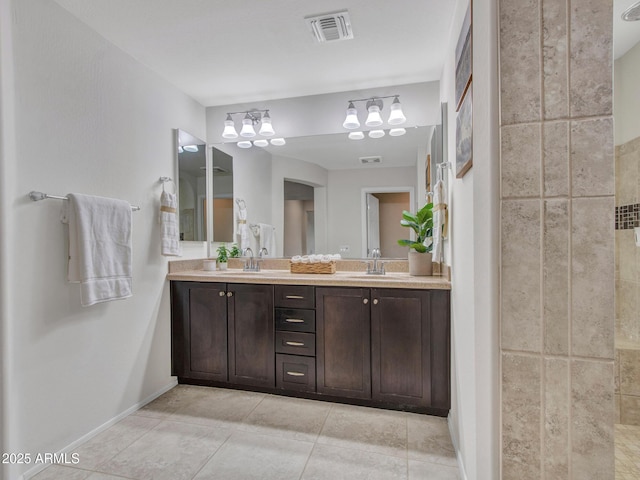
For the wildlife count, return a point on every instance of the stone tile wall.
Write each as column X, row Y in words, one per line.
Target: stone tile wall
column 627, row 274
column 557, row 239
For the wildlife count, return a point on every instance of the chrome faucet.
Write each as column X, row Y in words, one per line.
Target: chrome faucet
column 378, row 267
column 250, row 265
column 263, row 252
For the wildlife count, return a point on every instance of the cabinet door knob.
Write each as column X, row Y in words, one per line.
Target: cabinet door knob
column 222, row 294
column 365, row 300
column 375, row 301
column 229, row 294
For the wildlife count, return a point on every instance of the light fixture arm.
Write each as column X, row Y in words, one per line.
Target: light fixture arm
column 254, row 115
column 373, row 100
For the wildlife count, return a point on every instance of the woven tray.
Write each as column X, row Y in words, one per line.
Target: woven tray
column 313, row 267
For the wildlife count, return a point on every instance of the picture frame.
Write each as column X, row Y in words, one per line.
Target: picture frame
column 464, row 135
column 463, row 60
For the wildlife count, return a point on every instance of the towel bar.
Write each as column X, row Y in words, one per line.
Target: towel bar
column 37, row 196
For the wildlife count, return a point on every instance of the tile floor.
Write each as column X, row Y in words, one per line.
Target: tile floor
column 204, row 433
column 627, row 452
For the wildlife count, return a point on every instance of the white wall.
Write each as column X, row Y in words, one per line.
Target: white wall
column 88, row 119
column 345, row 202
column 627, row 96
column 474, row 248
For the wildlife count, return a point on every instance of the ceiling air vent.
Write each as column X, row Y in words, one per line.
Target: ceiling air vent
column 367, row 160
column 330, row 27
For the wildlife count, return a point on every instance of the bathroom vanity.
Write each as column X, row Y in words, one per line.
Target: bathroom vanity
column 348, row 337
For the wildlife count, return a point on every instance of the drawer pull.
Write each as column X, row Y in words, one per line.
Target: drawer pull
column 294, row 297
column 295, row 344
column 295, row 374
column 294, row 320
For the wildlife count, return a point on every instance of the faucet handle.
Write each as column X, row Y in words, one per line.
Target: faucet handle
column 375, row 253
column 263, row 251
column 247, row 251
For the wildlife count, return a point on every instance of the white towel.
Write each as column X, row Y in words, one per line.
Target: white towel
column 99, row 247
column 440, row 220
column 169, row 231
column 243, row 228
column 267, row 238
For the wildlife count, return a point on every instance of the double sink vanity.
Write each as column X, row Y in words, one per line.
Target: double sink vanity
column 374, row 340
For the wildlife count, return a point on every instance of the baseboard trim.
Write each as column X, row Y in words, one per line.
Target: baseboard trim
column 85, row 438
column 454, row 440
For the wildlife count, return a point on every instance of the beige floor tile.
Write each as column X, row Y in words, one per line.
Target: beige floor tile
column 247, row 456
column 429, row 440
column 431, row 471
column 171, row 451
column 287, row 417
column 369, row 429
column 219, row 408
column 60, row 472
column 112, row 441
column 174, row 399
column 337, row 463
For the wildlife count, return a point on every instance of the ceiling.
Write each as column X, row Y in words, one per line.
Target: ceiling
column 221, row 52
column 625, row 34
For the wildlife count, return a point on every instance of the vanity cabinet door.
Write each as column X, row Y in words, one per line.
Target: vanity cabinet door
column 343, row 342
column 251, row 335
column 199, row 318
column 400, row 346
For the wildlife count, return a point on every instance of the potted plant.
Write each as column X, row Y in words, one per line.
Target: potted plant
column 223, row 256
column 420, row 248
column 234, row 252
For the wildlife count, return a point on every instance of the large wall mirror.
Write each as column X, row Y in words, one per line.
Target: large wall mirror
column 192, row 187
column 314, row 192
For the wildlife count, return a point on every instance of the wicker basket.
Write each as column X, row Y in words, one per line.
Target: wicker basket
column 313, row 267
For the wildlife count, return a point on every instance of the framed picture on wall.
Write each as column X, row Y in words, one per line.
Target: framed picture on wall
column 463, row 60
column 464, row 135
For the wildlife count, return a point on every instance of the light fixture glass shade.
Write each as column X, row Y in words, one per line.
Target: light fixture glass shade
column 262, row 142
column 278, row 142
column 351, row 121
column 247, row 127
column 244, row 144
column 396, row 132
column 229, row 128
column 374, row 119
column 266, row 129
column 376, row 134
column 191, row 148
column 396, row 117
column 356, row 135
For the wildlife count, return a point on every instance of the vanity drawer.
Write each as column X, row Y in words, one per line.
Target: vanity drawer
column 296, row 373
column 296, row 343
column 296, row 320
column 294, row 296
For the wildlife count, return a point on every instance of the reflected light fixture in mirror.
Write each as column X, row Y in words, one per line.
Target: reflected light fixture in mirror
column 376, row 134
column 261, row 142
column 396, row 132
column 244, row 144
column 356, row 135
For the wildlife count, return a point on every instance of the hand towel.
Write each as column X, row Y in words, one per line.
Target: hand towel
column 100, row 251
column 440, row 221
column 169, row 231
column 267, row 238
column 243, row 228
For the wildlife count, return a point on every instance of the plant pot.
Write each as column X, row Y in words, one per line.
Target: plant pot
column 222, row 265
column 419, row 263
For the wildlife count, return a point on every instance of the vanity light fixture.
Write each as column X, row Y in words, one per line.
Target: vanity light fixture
column 374, row 107
column 250, row 120
column 262, row 142
column 376, row 134
column 190, row 148
column 356, row 135
column 396, row 132
column 278, row 142
column 244, row 144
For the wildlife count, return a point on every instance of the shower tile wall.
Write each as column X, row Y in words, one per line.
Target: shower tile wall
column 557, row 279
column 627, row 274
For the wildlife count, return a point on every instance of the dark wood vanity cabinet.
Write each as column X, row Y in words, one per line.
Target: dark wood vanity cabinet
column 343, row 337
column 410, row 347
column 223, row 333
column 385, row 347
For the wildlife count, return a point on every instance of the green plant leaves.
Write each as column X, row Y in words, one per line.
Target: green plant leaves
column 422, row 224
